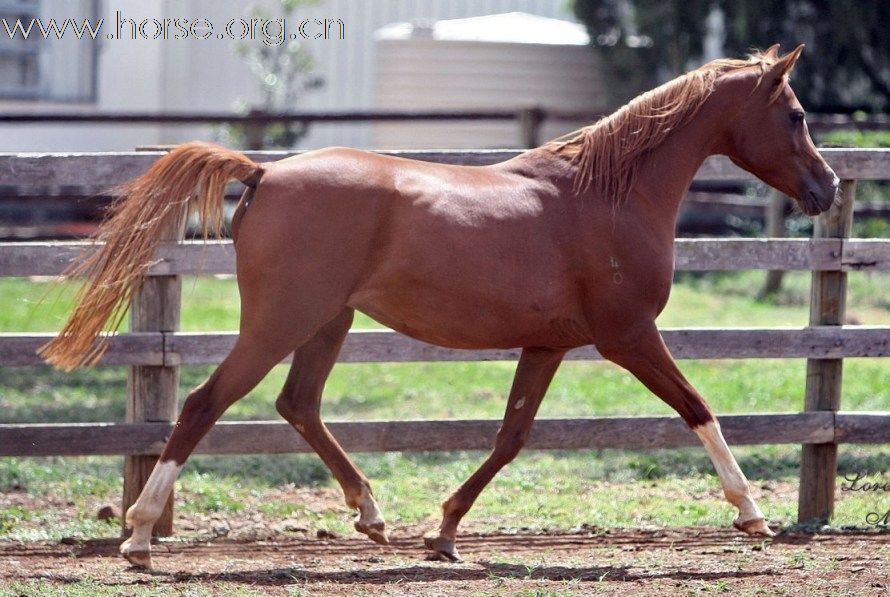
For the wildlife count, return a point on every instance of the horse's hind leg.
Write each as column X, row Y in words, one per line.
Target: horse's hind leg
column 265, row 339
column 533, row 375
column 241, row 370
column 300, row 403
column 647, row 357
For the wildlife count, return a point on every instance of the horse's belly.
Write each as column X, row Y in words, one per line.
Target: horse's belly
column 476, row 324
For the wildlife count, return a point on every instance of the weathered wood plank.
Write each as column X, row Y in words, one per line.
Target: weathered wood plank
column 866, row 255
column 756, row 253
column 862, row 427
column 24, row 259
column 638, row 433
column 828, row 299
column 82, row 439
column 102, row 170
column 38, row 258
column 363, row 346
column 218, row 257
column 859, row 164
column 814, row 342
column 380, row 346
column 20, row 349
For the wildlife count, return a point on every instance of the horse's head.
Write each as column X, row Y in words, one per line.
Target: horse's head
column 770, row 139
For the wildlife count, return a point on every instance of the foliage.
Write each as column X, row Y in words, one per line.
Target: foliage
column 845, row 66
column 867, row 190
column 284, row 73
column 855, row 138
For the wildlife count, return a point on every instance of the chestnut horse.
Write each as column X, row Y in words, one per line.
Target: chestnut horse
column 567, row 244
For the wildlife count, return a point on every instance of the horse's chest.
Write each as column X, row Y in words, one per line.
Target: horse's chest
column 622, row 285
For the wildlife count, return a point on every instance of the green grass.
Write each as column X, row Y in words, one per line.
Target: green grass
column 539, row 490
column 697, row 299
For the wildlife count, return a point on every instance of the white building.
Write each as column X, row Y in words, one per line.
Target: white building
column 116, row 73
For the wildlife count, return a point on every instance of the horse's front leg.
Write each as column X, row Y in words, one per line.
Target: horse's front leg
column 533, row 375
column 646, row 356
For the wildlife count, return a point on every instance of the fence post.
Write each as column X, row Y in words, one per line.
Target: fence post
column 151, row 391
column 255, row 132
column 775, row 228
column 530, row 120
column 828, row 297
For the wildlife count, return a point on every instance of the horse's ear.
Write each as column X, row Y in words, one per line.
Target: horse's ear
column 772, row 52
column 783, row 65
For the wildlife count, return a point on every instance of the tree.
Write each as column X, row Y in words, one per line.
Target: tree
column 284, row 72
column 846, row 66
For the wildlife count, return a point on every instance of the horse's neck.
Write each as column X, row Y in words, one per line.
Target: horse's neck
column 669, row 169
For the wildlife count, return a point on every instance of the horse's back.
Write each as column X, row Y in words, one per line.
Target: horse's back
column 461, row 256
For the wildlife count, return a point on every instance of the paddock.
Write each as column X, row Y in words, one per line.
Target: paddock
column 155, row 349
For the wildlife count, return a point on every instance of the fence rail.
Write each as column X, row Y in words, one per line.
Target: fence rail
column 158, row 349
column 161, row 349
column 816, row 122
column 218, row 257
column 104, row 169
column 264, row 437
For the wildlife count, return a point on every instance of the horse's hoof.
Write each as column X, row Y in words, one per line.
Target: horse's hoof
column 443, row 549
column 376, row 531
column 138, row 559
column 755, row 527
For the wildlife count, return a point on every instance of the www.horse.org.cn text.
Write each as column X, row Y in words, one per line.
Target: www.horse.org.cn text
column 272, row 32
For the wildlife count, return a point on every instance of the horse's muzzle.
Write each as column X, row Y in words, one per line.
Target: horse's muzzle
column 816, row 198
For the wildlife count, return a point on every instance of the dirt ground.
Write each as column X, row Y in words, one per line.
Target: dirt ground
column 587, row 561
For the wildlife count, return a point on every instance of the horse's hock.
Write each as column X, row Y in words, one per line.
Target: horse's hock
column 155, row 349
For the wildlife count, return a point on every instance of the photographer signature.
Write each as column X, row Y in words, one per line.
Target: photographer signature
column 858, row 481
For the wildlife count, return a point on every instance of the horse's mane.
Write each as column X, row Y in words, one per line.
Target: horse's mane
column 608, row 153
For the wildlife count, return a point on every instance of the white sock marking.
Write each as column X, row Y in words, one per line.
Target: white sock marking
column 735, row 485
column 369, row 512
column 148, row 507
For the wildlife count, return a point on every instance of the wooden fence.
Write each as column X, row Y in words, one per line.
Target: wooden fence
column 528, row 118
column 155, row 349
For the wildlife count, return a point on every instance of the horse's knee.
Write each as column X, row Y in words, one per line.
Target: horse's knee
column 507, row 446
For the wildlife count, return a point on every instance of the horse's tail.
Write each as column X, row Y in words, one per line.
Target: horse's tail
column 147, row 208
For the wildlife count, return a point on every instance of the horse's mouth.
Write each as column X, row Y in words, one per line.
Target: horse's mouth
column 810, row 206
column 814, row 203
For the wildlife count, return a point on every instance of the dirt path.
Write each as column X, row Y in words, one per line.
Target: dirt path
column 657, row 562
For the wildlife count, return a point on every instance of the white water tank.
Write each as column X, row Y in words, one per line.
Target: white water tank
column 502, row 61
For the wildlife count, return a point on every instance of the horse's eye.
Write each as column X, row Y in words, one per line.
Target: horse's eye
column 796, row 116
